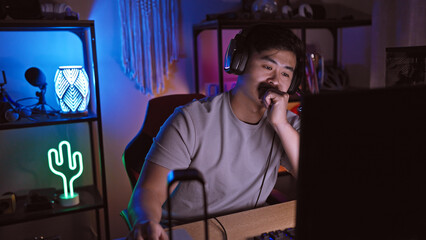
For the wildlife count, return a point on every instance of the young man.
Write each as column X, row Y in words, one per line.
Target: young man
column 237, row 140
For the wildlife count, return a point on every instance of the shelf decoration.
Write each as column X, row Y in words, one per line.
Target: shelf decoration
column 69, row 171
column 72, row 89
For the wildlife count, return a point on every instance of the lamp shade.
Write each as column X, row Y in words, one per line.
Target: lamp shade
column 72, row 89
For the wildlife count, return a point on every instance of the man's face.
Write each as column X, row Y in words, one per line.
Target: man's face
column 268, row 69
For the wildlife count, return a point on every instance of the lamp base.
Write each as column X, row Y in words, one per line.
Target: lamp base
column 70, row 201
column 74, row 114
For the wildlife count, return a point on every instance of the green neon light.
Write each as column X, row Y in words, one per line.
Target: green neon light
column 59, row 167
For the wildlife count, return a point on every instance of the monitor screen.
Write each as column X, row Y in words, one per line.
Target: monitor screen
column 405, row 65
column 362, row 171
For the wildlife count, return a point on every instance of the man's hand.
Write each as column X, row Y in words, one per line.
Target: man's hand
column 276, row 103
column 144, row 208
column 147, row 231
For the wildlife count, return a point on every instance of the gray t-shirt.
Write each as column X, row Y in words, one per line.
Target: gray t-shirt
column 231, row 155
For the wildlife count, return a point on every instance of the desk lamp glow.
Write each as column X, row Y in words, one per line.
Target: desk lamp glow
column 59, row 167
column 72, row 89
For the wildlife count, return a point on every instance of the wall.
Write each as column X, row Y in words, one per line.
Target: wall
column 123, row 106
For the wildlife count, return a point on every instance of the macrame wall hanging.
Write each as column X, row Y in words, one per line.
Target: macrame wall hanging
column 149, row 41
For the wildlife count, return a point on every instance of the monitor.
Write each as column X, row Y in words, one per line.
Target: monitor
column 362, row 170
column 405, row 65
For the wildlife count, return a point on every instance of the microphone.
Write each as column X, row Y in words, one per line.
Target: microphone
column 35, row 77
column 263, row 88
column 277, row 91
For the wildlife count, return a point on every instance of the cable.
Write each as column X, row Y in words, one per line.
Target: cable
column 224, row 230
column 267, row 167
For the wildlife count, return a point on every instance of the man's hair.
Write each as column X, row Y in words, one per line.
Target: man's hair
column 263, row 37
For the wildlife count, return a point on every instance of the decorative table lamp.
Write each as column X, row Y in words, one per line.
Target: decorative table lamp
column 69, row 168
column 72, row 89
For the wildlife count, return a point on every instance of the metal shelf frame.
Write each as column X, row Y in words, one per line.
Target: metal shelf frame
column 85, row 30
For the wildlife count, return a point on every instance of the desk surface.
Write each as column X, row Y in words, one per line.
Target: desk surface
column 247, row 224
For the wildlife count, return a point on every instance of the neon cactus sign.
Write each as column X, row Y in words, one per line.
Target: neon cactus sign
column 69, row 167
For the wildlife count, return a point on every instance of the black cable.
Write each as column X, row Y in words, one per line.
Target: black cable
column 266, row 170
column 224, row 230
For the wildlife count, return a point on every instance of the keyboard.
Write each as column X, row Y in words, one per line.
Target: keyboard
column 286, row 234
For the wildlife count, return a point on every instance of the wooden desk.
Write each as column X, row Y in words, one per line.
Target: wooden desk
column 247, row 224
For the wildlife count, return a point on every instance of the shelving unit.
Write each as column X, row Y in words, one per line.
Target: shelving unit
column 303, row 24
column 93, row 196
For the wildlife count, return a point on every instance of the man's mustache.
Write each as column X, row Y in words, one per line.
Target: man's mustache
column 265, row 87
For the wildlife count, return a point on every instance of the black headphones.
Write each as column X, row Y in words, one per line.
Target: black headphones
column 237, row 55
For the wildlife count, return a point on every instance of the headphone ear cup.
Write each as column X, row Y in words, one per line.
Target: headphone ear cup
column 236, row 55
column 239, row 62
column 295, row 84
column 291, row 88
column 229, row 56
